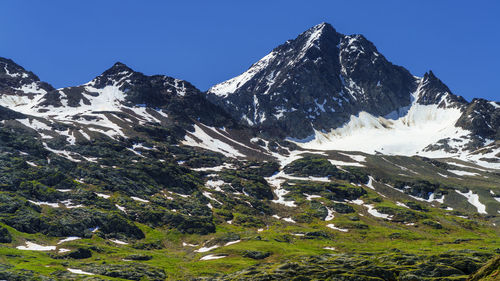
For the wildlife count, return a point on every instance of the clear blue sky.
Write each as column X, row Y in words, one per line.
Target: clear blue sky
column 206, row 42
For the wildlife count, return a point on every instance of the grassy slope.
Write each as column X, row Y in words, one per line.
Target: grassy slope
column 280, row 238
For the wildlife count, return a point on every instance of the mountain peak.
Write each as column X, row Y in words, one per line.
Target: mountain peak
column 429, row 75
column 434, row 91
column 113, row 75
column 322, row 77
column 119, row 65
column 117, row 68
column 430, row 79
column 324, row 26
column 314, row 36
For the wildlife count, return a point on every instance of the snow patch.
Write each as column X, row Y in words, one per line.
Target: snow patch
column 310, row 197
column 474, row 200
column 53, row 205
column 232, row 85
column 79, row 271
column 232, row 243
column 210, row 196
column 71, row 238
column 332, row 226
column 495, row 104
column 30, row 246
column 372, row 211
column 330, row 215
column 119, row 242
column 463, row 173
column 215, row 184
column 214, row 169
column 199, row 138
column 342, row 163
column 120, row 208
column 370, row 182
column 206, row 249
column 105, row 196
column 212, row 257
column 139, row 199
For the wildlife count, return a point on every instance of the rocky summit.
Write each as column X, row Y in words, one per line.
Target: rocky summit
column 322, row 161
column 316, row 81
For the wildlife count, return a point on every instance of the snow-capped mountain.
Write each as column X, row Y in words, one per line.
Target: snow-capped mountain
column 322, row 91
column 316, row 81
column 112, row 104
column 325, row 90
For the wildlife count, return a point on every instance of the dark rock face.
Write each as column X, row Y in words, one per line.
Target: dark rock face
column 317, row 80
column 151, row 91
column 7, row 114
column 433, row 91
column 482, row 117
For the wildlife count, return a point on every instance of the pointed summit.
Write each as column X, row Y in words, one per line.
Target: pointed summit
column 434, row 91
column 430, row 75
column 115, row 75
column 322, row 28
column 320, row 37
column 118, row 69
column 431, row 78
column 120, row 65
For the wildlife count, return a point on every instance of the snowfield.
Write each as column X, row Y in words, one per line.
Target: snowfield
column 408, row 135
column 397, row 134
column 199, row 138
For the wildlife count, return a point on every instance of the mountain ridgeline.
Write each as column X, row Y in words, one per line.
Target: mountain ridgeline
column 315, row 82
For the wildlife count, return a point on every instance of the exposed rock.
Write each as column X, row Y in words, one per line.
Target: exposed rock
column 256, row 255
